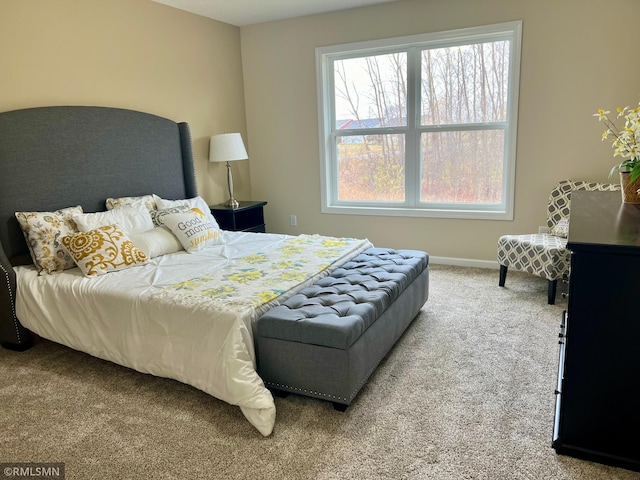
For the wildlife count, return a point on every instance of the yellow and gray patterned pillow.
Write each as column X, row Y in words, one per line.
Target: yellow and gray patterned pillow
column 103, row 250
column 148, row 201
column 43, row 232
column 193, row 230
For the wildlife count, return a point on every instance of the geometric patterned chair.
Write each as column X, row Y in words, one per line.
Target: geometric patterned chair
column 546, row 254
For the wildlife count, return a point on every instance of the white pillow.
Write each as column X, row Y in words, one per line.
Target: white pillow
column 131, row 219
column 157, row 241
column 561, row 229
column 193, row 230
column 195, row 202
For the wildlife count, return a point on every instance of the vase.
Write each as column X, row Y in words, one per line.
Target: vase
column 629, row 188
column 627, row 225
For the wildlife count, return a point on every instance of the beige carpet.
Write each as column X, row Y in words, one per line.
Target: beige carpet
column 466, row 394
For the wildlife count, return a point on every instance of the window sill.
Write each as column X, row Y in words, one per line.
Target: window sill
column 448, row 212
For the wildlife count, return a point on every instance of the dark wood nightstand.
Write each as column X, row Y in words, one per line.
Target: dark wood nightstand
column 248, row 217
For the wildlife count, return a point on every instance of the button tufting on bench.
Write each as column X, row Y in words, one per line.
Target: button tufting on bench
column 337, row 309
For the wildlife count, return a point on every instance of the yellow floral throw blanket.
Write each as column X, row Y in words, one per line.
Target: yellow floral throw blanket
column 255, row 280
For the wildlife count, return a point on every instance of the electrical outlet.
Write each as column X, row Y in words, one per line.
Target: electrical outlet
column 293, row 220
column 543, row 229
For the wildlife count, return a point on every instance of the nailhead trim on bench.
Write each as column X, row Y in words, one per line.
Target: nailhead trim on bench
column 305, row 391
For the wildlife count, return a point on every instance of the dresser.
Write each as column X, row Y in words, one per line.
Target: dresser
column 597, row 414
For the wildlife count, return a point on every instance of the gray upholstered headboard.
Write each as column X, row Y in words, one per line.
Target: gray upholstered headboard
column 56, row 157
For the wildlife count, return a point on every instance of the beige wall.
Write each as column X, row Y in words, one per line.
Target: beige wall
column 133, row 54
column 574, row 60
column 142, row 55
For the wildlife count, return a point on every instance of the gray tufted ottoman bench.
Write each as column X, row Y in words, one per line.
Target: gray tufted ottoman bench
column 327, row 340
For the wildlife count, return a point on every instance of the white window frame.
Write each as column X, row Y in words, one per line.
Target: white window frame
column 412, row 207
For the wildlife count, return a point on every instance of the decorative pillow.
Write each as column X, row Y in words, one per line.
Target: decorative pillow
column 43, row 231
column 105, row 249
column 561, row 229
column 195, row 202
column 158, row 215
column 157, row 241
column 130, row 219
column 193, row 230
column 148, row 201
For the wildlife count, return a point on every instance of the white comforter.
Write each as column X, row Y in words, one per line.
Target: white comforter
column 184, row 316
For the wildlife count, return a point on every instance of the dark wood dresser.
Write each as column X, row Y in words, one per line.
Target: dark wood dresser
column 597, row 414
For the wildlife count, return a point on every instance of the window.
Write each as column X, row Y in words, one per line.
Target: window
column 422, row 125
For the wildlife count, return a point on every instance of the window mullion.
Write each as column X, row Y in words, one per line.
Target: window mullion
column 412, row 139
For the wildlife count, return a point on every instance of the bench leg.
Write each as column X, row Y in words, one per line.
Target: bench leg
column 340, row 407
column 553, row 284
column 503, row 275
column 279, row 393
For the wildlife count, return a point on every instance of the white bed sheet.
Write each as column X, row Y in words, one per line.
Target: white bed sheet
column 142, row 318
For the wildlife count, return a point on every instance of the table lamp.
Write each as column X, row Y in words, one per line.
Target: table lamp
column 227, row 147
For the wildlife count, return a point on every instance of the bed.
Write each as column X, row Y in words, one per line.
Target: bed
column 173, row 315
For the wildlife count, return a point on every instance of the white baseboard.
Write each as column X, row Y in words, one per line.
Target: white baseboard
column 464, row 262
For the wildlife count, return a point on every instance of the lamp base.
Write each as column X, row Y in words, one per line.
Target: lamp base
column 232, row 203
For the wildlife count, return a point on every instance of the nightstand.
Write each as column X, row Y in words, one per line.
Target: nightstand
column 248, row 217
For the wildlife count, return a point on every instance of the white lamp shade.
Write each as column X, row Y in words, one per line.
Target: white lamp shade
column 227, row 147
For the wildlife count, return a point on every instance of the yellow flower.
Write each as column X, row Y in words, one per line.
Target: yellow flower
column 245, row 276
column 334, row 242
column 220, row 292
column 625, row 139
column 267, row 295
column 290, row 250
column 287, row 264
column 255, row 258
column 327, row 253
column 289, row 276
column 191, row 284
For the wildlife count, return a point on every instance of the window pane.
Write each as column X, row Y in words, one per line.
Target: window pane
column 371, row 168
column 462, row 166
column 371, row 92
column 465, row 84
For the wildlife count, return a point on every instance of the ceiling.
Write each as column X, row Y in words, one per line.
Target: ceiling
column 247, row 12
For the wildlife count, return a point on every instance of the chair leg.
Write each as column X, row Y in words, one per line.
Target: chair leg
column 553, row 284
column 503, row 275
